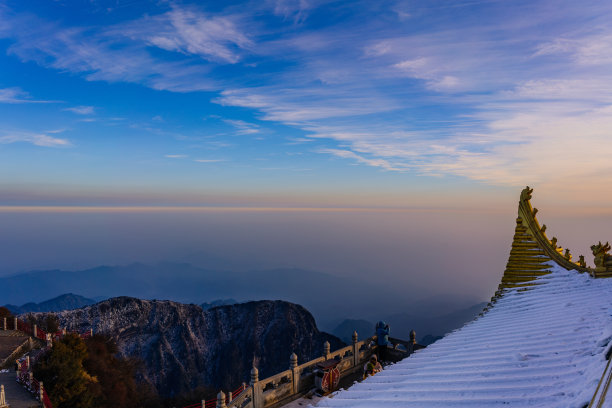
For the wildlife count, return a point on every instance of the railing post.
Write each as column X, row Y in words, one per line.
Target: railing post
column 355, row 349
column 63, row 331
column 295, row 374
column 41, row 392
column 412, row 342
column 256, row 388
column 30, row 379
column 2, row 397
column 221, row 400
column 27, row 363
column 326, row 349
column 203, row 404
column 229, row 397
column 91, row 332
column 35, row 330
column 15, row 327
column 4, row 323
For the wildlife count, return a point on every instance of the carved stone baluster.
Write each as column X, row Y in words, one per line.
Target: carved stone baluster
column 221, row 400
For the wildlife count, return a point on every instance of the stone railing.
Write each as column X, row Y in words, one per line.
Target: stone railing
column 298, row 380
column 271, row 392
column 25, row 377
column 37, row 333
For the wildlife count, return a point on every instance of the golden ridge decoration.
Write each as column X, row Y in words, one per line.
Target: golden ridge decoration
column 532, row 251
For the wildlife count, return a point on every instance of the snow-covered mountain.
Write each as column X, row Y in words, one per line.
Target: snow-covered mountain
column 183, row 347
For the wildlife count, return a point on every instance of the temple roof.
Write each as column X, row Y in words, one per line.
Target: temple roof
column 542, row 342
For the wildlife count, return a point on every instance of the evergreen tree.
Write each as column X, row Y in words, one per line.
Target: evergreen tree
column 87, row 373
column 116, row 387
column 51, row 323
column 65, row 379
column 4, row 312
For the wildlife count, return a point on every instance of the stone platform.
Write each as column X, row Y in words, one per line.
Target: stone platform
column 9, row 341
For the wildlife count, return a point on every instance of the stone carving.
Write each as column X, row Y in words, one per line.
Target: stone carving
column 567, row 255
column 543, row 229
column 526, row 194
column 581, row 261
column 602, row 258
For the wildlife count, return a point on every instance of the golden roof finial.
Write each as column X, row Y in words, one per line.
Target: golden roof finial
column 526, row 194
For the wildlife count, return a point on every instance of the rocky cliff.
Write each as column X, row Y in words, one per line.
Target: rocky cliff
column 183, row 347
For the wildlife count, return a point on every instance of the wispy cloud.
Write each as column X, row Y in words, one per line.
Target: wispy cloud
column 518, row 101
column 176, row 156
column 242, row 127
column 423, row 68
column 296, row 10
column 38, row 139
column 208, row 160
column 347, row 154
column 190, row 31
column 81, row 110
column 122, row 52
column 16, row 95
column 297, row 106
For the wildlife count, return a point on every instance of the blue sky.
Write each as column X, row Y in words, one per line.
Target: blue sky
column 301, row 102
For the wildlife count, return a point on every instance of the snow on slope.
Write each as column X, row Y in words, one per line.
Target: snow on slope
column 544, row 347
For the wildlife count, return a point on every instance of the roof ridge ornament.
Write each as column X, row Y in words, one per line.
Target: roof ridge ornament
column 602, row 258
column 526, row 194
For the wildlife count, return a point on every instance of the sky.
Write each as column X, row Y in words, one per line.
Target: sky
column 278, row 108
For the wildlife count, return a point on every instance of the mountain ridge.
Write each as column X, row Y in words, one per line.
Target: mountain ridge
column 183, row 347
column 67, row 301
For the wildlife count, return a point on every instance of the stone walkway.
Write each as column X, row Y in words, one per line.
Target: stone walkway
column 16, row 395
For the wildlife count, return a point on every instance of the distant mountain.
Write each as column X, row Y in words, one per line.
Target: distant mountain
column 433, row 326
column 429, row 339
column 218, row 302
column 346, row 328
column 328, row 297
column 183, row 347
column 68, row 301
column 428, row 328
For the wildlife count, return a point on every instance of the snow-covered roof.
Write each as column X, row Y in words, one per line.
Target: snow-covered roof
column 542, row 343
column 539, row 348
